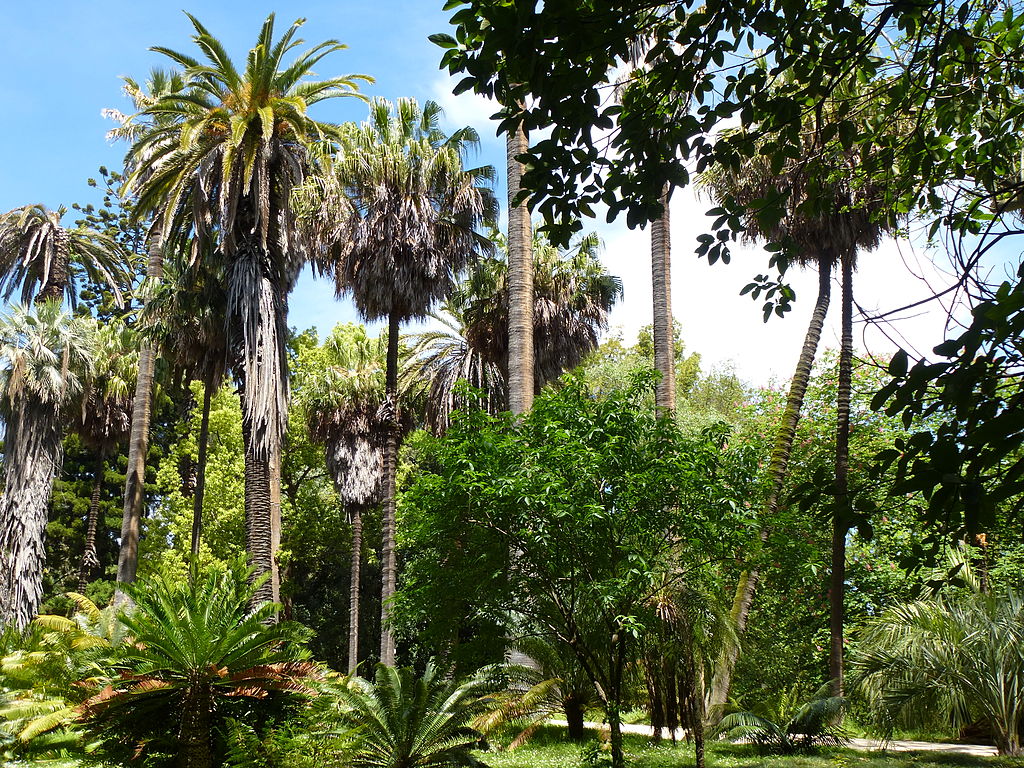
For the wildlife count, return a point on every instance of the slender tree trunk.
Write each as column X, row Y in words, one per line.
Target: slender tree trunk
column 276, row 459
column 615, row 734
column 841, row 517
column 388, row 565
column 33, row 456
column 520, row 284
column 353, row 591
column 90, row 562
column 138, row 443
column 204, row 443
column 779, row 464
column 661, row 285
column 257, row 514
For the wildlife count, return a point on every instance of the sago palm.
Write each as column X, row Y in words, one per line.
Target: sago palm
column 40, row 257
column 957, row 659
column 397, row 219
column 197, row 654
column 46, row 358
column 226, row 163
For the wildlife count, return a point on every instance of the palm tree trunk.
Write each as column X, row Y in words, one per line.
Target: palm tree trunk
column 34, row 454
column 841, row 518
column 89, row 560
column 779, row 464
column 520, row 284
column 257, row 514
column 574, row 717
column 194, row 735
column 661, row 288
column 388, row 565
column 353, row 591
column 204, row 443
column 138, row 444
column 57, row 281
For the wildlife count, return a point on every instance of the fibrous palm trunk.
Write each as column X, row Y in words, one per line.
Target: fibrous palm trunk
column 258, row 537
column 661, row 288
column 841, row 517
column 353, row 593
column 194, row 734
column 777, row 472
column 34, row 454
column 520, row 284
column 204, row 442
column 388, row 564
column 57, row 281
column 90, row 562
column 138, row 443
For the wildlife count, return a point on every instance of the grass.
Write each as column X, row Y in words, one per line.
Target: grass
column 550, row 749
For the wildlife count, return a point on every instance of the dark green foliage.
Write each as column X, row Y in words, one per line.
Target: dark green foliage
column 804, row 728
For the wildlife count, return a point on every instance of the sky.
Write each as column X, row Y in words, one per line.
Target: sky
column 63, row 62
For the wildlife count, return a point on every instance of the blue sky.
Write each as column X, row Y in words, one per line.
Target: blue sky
column 62, row 63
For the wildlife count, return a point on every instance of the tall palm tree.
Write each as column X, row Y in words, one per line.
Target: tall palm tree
column 104, row 420
column 661, row 291
column 40, row 256
column 825, row 218
column 46, row 356
column 572, row 296
column 232, row 150
column 398, row 217
column 341, row 398
column 521, row 344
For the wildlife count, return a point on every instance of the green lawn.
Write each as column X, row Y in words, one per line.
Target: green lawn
column 548, row 749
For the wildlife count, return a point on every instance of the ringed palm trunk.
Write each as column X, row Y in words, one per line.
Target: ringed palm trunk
column 90, row 562
column 744, row 596
column 138, row 443
column 204, row 443
column 661, row 288
column 520, row 284
column 841, row 517
column 33, row 457
column 353, row 593
column 258, row 538
column 388, row 563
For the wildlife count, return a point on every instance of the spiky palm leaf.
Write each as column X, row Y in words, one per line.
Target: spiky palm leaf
column 39, row 256
column 814, row 724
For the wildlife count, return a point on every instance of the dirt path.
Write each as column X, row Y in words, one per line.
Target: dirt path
column 866, row 745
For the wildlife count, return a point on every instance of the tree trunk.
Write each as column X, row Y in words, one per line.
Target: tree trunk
column 841, row 518
column 57, row 281
column 33, row 456
column 194, row 735
column 574, row 714
column 204, row 444
column 615, row 734
column 257, row 514
column 388, row 565
column 661, row 288
column 353, row 592
column 138, row 444
column 90, row 562
column 779, row 464
column 520, row 284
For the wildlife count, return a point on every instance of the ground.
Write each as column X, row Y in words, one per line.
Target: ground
column 549, row 749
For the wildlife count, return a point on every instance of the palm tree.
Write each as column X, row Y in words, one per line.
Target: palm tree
column 521, row 344
column 342, row 398
column 225, row 160
column 104, row 420
column 572, row 296
column 39, row 256
column 46, row 356
column 661, row 290
column 825, row 217
column 960, row 659
column 398, row 218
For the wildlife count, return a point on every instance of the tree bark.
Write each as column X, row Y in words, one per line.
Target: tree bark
column 204, row 443
column 388, row 564
column 841, row 516
column 574, row 715
column 90, row 562
column 257, row 515
column 138, row 444
column 353, row 592
column 661, row 288
column 33, row 456
column 520, row 284
column 615, row 734
column 195, row 732
column 57, row 281
column 779, row 464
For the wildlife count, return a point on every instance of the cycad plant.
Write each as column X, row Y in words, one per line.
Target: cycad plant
column 816, row 723
column 407, row 721
column 396, row 218
column 197, row 654
column 959, row 659
column 46, row 358
column 224, row 160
